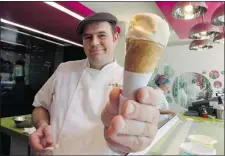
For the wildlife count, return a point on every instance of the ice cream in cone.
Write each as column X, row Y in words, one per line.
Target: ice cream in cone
column 147, row 36
column 142, row 56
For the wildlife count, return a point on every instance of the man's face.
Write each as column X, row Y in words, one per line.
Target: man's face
column 99, row 43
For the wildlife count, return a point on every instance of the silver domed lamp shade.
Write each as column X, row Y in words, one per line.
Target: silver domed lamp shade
column 203, row 31
column 189, row 10
column 219, row 38
column 218, row 16
column 201, row 45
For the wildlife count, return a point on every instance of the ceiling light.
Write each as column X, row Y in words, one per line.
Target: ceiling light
column 188, row 10
column 200, row 45
column 203, row 31
column 65, row 10
column 218, row 16
column 69, row 12
column 13, row 43
column 188, row 16
column 221, row 18
column 219, row 38
column 14, row 30
column 40, row 32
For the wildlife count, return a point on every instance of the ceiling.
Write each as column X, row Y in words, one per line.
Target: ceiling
column 182, row 27
column 132, row 8
column 179, row 28
column 45, row 18
column 124, row 10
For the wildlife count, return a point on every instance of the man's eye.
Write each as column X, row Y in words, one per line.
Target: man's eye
column 87, row 38
column 102, row 36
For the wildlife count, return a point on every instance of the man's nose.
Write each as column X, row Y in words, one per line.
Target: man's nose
column 95, row 41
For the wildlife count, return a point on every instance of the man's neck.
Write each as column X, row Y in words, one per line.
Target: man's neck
column 100, row 66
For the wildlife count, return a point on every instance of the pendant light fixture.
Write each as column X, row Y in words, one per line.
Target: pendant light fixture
column 189, row 10
column 219, row 39
column 201, row 45
column 218, row 16
column 203, row 31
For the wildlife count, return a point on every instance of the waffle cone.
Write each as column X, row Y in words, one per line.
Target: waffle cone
column 141, row 55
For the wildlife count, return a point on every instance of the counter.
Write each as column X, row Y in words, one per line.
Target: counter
column 178, row 132
column 167, row 141
column 19, row 140
column 8, row 127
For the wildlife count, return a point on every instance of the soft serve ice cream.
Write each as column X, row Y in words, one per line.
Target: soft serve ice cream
column 149, row 27
column 147, row 36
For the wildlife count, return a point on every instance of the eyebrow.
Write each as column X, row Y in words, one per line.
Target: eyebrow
column 100, row 32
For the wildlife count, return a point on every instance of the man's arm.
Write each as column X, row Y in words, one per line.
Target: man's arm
column 164, row 111
column 43, row 101
column 167, row 111
column 40, row 115
column 42, row 137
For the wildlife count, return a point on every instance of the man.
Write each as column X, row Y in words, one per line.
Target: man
column 72, row 103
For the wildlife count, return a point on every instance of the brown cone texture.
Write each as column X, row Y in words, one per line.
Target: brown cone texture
column 141, row 55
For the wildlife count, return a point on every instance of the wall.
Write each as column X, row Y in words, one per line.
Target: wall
column 182, row 60
column 72, row 53
column 120, row 49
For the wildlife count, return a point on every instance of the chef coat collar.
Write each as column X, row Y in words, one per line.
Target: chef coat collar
column 106, row 67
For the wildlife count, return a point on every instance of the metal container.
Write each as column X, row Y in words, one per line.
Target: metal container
column 22, row 121
column 220, row 114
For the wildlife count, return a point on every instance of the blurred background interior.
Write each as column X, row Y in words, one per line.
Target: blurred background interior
column 37, row 36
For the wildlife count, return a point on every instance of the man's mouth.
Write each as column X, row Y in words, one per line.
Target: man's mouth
column 96, row 51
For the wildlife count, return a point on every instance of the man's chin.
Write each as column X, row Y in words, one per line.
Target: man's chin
column 96, row 60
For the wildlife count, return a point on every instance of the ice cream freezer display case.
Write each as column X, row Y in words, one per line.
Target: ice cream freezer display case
column 188, row 136
column 172, row 134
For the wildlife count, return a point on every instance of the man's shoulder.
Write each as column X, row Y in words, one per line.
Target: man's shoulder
column 120, row 68
column 72, row 66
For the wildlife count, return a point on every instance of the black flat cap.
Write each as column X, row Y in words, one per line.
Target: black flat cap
column 96, row 17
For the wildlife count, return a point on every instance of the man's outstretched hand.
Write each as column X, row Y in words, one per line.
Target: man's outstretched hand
column 135, row 128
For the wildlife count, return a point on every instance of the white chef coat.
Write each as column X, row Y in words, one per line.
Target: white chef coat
column 193, row 91
column 163, row 103
column 75, row 96
column 182, row 97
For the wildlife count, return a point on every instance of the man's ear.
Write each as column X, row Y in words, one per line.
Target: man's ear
column 116, row 37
